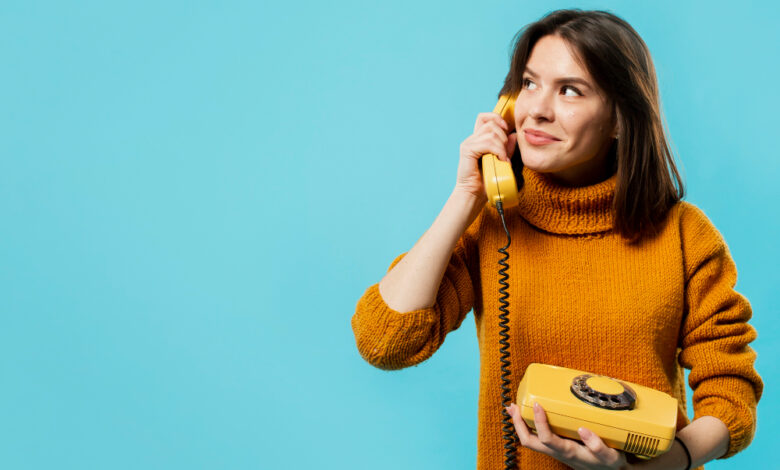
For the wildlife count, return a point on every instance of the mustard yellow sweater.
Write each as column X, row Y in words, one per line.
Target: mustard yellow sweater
column 581, row 297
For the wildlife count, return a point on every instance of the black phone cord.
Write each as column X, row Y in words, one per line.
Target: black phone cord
column 507, row 427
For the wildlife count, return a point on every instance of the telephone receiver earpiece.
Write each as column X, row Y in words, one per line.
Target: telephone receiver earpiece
column 497, row 175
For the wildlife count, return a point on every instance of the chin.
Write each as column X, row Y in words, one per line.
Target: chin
column 539, row 163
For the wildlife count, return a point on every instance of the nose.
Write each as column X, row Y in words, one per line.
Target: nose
column 540, row 107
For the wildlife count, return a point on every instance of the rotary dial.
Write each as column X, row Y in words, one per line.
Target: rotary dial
column 603, row 392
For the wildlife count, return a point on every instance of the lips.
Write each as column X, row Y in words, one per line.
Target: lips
column 540, row 134
column 535, row 137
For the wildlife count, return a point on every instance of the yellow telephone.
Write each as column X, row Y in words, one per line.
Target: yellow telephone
column 626, row 416
column 497, row 175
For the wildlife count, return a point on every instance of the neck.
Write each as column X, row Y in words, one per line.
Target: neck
column 559, row 208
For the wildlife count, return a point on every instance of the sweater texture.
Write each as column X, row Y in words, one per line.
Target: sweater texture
column 582, row 297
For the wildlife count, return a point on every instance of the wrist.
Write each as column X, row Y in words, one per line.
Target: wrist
column 469, row 197
column 467, row 203
column 687, row 452
column 674, row 459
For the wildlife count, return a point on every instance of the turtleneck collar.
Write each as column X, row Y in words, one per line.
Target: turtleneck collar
column 555, row 208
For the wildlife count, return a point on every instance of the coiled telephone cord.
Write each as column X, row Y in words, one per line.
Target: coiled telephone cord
column 507, row 427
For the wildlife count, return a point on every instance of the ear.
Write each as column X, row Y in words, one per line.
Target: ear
column 616, row 129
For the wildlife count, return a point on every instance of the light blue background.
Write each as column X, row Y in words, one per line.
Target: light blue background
column 194, row 195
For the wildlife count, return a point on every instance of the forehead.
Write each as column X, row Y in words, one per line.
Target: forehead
column 553, row 57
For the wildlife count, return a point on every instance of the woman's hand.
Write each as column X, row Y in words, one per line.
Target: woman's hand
column 593, row 455
column 490, row 136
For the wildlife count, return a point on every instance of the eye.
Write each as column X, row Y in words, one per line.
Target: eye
column 569, row 87
column 527, row 83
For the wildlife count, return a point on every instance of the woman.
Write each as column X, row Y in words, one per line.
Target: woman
column 610, row 271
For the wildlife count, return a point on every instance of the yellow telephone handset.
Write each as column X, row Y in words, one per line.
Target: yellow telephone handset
column 497, row 175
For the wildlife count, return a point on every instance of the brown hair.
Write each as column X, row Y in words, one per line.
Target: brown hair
column 619, row 61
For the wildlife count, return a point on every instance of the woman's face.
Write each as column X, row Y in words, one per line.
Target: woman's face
column 560, row 98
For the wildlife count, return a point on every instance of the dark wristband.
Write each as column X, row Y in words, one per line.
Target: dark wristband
column 687, row 453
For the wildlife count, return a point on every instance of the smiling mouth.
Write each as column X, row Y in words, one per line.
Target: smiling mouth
column 535, row 139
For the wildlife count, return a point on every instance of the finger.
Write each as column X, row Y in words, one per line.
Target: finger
column 503, row 124
column 520, row 427
column 494, row 139
column 599, row 449
column 485, row 144
column 499, row 136
column 497, row 149
column 546, row 436
column 527, row 438
column 491, row 129
column 483, row 118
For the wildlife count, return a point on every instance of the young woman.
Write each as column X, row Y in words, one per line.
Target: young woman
column 610, row 271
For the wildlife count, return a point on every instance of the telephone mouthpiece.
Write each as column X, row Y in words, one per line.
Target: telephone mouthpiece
column 499, row 181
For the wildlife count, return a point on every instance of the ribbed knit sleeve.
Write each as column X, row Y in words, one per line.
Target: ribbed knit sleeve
column 715, row 333
column 390, row 340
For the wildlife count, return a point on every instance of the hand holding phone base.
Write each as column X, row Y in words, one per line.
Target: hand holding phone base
column 626, row 416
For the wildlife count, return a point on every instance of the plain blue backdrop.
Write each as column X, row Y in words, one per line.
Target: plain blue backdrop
column 194, row 195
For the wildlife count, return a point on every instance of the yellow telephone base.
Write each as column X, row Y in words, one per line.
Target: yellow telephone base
column 647, row 430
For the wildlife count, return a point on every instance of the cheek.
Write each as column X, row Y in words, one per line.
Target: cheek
column 520, row 114
column 581, row 127
column 572, row 123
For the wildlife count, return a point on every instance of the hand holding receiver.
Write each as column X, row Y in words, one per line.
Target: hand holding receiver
column 498, row 177
column 492, row 138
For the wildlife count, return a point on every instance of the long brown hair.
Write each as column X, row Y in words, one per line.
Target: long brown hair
column 619, row 61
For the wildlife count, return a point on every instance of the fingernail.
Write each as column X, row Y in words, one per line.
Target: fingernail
column 585, row 433
column 537, row 407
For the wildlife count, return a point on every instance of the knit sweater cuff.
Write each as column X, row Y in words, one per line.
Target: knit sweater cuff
column 381, row 314
column 739, row 418
column 389, row 339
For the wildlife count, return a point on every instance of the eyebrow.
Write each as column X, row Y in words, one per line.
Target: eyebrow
column 562, row 79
